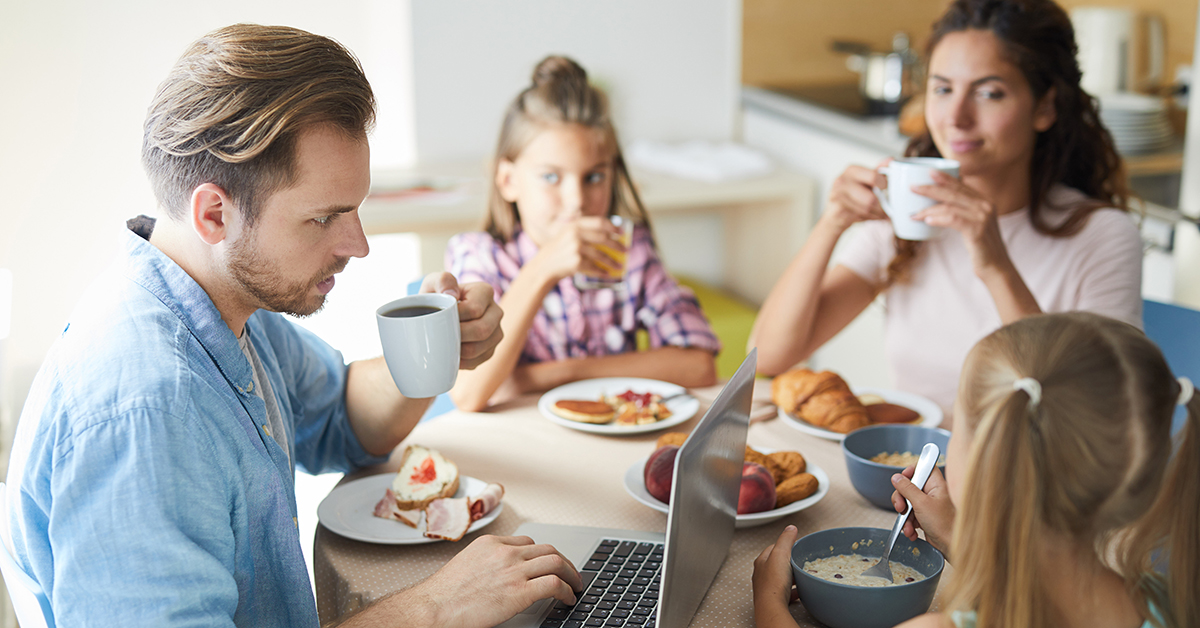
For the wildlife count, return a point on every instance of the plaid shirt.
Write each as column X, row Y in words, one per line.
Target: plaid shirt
column 575, row 323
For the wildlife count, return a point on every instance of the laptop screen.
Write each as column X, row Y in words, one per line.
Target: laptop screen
column 704, row 498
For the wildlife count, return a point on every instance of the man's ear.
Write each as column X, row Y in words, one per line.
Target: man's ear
column 1046, row 114
column 210, row 213
column 505, row 172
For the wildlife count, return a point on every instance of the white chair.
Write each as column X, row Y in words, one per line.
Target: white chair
column 28, row 599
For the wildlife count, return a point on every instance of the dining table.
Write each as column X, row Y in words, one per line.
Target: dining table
column 555, row 474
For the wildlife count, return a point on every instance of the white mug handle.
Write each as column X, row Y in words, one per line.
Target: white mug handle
column 883, row 202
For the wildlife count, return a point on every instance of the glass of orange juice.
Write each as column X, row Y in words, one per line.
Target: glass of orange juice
column 612, row 268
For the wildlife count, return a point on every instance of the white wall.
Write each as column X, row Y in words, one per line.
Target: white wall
column 77, row 78
column 672, row 68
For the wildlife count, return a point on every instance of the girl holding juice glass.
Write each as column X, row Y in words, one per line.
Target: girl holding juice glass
column 567, row 247
column 1066, row 502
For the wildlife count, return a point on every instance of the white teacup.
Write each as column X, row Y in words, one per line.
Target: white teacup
column 421, row 343
column 900, row 202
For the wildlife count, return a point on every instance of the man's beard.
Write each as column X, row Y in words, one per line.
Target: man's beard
column 261, row 281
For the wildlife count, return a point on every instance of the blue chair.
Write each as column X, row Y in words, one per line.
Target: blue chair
column 443, row 403
column 28, row 599
column 1176, row 331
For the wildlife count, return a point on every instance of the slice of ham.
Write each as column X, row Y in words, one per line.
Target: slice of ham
column 387, row 509
column 450, row 518
column 485, row 502
column 447, row 518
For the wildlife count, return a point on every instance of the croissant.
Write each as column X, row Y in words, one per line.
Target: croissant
column 822, row 399
column 836, row 410
column 791, row 389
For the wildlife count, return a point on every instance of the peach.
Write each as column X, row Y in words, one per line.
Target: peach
column 758, row 489
column 660, row 471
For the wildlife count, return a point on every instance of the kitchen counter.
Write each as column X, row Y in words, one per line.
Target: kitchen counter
column 826, row 109
column 881, row 133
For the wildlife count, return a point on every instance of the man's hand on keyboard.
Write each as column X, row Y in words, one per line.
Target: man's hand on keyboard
column 496, row 577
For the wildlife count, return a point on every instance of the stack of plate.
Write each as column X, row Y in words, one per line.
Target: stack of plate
column 1138, row 123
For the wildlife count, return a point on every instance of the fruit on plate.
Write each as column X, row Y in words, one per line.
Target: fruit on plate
column 757, row 493
column 768, row 480
column 635, row 408
column 659, row 472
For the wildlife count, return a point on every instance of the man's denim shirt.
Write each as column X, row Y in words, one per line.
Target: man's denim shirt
column 143, row 488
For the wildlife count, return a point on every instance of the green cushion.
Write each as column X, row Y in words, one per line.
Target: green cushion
column 731, row 319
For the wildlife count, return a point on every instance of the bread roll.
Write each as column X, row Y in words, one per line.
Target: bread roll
column 785, row 464
column 795, row 489
column 425, row 475
column 671, row 438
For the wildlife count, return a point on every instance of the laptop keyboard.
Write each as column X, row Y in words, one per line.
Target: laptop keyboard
column 620, row 588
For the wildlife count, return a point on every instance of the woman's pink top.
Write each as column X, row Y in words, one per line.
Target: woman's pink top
column 933, row 320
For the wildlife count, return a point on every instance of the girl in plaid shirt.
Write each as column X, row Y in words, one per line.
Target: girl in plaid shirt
column 558, row 177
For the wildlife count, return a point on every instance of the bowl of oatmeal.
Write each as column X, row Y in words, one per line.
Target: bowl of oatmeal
column 875, row 453
column 828, row 567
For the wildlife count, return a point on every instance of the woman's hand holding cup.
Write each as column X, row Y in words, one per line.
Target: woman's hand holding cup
column 903, row 199
column 960, row 207
column 852, row 199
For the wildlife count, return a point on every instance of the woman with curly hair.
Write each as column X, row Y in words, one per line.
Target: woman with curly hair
column 1038, row 221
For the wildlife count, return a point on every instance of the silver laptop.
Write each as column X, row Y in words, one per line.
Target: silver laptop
column 650, row 579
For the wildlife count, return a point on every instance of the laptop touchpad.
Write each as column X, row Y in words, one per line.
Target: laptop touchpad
column 537, row 607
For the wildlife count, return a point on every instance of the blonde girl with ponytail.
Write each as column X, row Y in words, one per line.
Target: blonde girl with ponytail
column 557, row 178
column 1066, row 501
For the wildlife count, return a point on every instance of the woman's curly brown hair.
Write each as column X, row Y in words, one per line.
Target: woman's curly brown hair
column 1076, row 151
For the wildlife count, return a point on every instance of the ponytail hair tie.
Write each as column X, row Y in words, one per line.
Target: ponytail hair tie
column 1033, row 389
column 1186, row 390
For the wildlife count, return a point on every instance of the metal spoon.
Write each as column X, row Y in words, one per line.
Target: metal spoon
column 925, row 465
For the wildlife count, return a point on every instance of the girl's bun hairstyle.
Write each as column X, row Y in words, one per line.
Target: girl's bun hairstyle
column 559, row 93
column 555, row 69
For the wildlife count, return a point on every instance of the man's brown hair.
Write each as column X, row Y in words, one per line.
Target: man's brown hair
column 233, row 105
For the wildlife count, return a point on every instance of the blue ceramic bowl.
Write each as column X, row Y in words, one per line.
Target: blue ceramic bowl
column 846, row 606
column 873, row 480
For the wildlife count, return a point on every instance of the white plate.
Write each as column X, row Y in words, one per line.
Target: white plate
column 635, row 485
column 682, row 408
column 349, row 510
column 931, row 413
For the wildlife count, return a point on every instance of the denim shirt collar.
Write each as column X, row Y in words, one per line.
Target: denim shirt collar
column 150, row 268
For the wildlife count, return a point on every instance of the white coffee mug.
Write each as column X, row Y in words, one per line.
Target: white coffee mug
column 900, row 202
column 421, row 343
